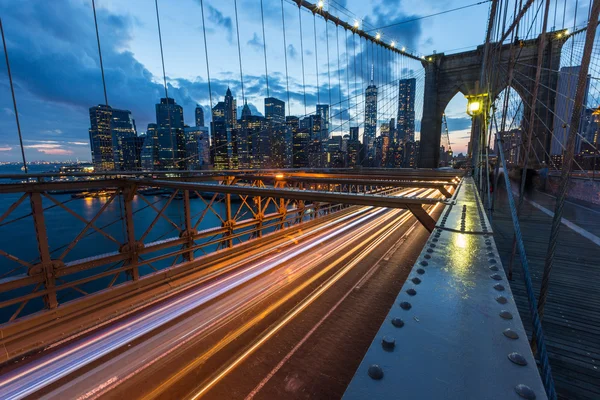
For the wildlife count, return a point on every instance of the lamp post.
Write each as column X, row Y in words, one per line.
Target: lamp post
column 477, row 105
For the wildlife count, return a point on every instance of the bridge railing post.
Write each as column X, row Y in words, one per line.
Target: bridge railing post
column 131, row 246
column 46, row 264
column 188, row 227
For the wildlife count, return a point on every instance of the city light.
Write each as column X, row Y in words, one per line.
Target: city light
column 279, row 176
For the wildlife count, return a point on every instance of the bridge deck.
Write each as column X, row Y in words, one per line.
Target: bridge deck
column 572, row 317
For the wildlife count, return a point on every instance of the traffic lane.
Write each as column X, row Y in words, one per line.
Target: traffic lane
column 42, row 371
column 235, row 343
column 160, row 343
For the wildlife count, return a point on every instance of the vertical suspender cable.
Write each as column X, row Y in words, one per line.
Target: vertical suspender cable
column 237, row 28
column 287, row 80
column 100, row 52
column 262, row 17
column 337, row 44
column 328, row 69
column 206, row 56
column 347, row 77
column 14, row 99
column 302, row 57
column 355, row 81
column 316, row 58
column 162, row 59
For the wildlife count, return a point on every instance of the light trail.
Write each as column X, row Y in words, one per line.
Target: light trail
column 377, row 238
column 40, row 373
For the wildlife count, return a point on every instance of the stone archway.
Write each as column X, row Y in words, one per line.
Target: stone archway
column 446, row 75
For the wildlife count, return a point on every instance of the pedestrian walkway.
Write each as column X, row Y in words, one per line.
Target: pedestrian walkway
column 572, row 314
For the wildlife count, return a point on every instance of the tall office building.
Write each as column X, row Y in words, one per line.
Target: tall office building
column 354, row 133
column 224, row 133
column 197, row 149
column 323, row 111
column 199, row 115
column 131, row 150
column 563, row 109
column 253, row 140
column 150, row 149
column 301, row 130
column 274, row 111
column 370, row 123
column 170, row 134
column 122, row 127
column 101, row 138
column 406, row 110
column 275, row 117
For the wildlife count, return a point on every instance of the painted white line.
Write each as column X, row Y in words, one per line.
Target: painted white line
column 588, row 235
column 570, row 202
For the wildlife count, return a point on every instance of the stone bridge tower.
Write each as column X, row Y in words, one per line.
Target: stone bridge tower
column 446, row 75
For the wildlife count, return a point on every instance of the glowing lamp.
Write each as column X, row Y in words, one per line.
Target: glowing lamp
column 320, row 4
column 393, row 44
column 356, row 24
column 279, row 176
column 378, row 36
column 403, row 48
column 475, row 104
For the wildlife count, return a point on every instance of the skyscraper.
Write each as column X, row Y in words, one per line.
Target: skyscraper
column 370, row 122
column 150, row 149
column 274, row 111
column 197, row 151
column 131, row 150
column 122, row 127
column 323, row 111
column 406, row 110
column 101, row 138
column 224, row 132
column 199, row 115
column 563, row 109
column 275, row 117
column 253, row 140
column 170, row 134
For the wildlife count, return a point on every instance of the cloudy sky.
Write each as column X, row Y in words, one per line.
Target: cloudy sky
column 54, row 59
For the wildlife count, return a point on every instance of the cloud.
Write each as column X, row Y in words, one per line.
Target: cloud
column 56, row 152
column 79, row 143
column 5, row 148
column 52, row 132
column 220, row 20
column 255, row 42
column 292, row 52
column 457, row 124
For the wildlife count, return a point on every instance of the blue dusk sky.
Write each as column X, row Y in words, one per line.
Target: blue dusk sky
column 54, row 59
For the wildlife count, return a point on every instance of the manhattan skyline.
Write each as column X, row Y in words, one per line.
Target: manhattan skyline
column 55, row 88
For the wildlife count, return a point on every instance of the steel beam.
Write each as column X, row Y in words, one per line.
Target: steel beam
column 454, row 331
column 307, row 195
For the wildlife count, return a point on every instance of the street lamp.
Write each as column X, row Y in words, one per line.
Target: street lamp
column 475, row 104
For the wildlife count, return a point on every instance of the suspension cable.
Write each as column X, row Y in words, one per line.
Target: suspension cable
column 14, row 99
column 287, row 81
column 302, row 57
column 316, row 58
column 237, row 27
column 162, row 59
column 262, row 17
column 207, row 60
column 100, row 52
